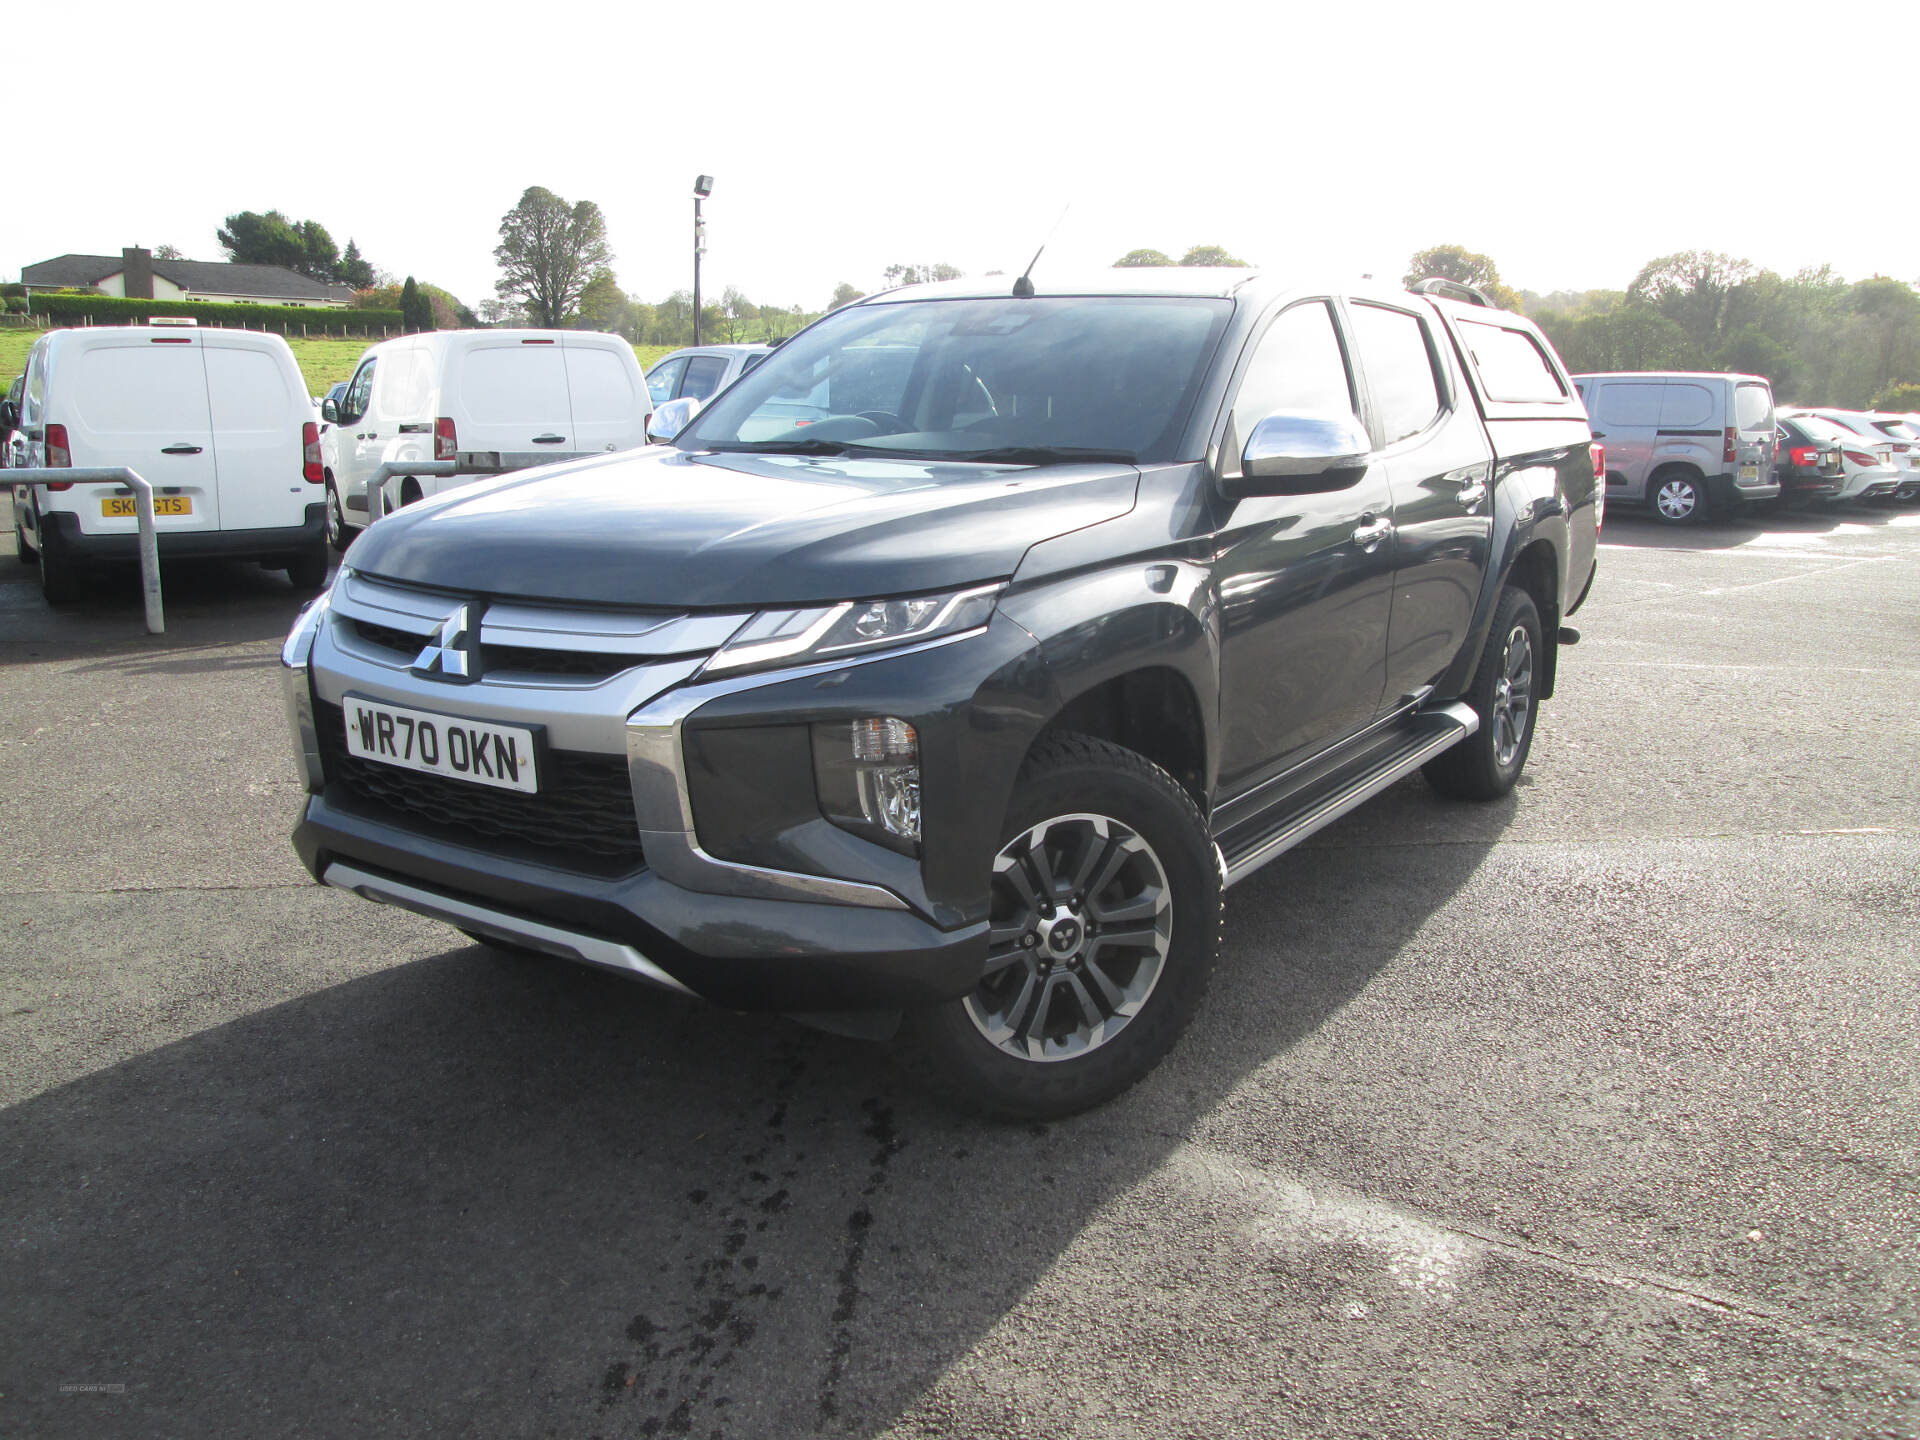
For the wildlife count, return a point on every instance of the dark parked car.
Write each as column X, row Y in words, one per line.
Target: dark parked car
column 964, row 701
column 1806, row 461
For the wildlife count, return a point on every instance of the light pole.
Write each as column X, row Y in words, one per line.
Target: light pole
column 702, row 187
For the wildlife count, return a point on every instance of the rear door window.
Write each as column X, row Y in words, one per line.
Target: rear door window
column 602, row 387
column 704, row 374
column 1510, row 363
column 142, row 390
column 1753, row 406
column 515, row 385
column 1398, row 360
column 1630, row 403
column 1686, row 407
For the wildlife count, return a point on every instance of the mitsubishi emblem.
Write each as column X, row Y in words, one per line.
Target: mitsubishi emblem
column 449, row 652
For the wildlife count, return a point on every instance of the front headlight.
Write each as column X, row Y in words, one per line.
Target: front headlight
column 827, row 632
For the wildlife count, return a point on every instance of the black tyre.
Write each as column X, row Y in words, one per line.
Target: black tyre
column 339, row 533
column 1678, row 498
column 410, row 493
column 308, row 571
column 59, row 577
column 1505, row 694
column 22, row 548
column 1105, row 922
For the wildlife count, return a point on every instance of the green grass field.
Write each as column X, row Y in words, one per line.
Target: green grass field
column 323, row 362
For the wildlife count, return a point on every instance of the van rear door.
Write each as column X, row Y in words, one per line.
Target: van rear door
column 1753, row 421
column 510, row 401
column 258, row 407
column 608, row 398
column 139, row 399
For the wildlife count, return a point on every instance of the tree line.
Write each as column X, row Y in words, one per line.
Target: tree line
column 1820, row 339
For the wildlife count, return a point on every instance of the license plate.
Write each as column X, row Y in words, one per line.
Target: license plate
column 447, row 745
column 121, row 507
column 1749, row 472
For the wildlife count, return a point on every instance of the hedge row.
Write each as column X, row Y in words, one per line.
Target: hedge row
column 112, row 310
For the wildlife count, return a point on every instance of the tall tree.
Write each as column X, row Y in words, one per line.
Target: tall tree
column 845, row 294
column 415, row 311
column 602, row 304
column 321, row 257
column 251, row 238
column 548, row 251
column 1210, row 255
column 1142, row 259
column 1463, row 267
column 740, row 312
column 354, row 268
column 1694, row 289
column 167, row 252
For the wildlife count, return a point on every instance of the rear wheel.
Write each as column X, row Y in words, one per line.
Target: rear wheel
column 339, row 536
column 22, row 548
column 308, row 571
column 1679, row 498
column 59, row 577
column 1485, row 765
column 1105, row 916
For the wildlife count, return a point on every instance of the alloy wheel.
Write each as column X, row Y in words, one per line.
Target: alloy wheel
column 1513, row 696
column 1082, row 916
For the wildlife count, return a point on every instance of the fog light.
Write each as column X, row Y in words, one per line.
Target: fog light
column 867, row 773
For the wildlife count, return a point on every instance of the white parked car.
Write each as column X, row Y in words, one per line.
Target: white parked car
column 492, row 400
column 217, row 421
column 1885, row 434
column 1869, row 467
column 701, row 372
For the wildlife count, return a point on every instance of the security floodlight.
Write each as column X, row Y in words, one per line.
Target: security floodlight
column 703, row 185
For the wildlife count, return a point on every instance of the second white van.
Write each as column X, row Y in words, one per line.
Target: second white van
column 493, row 400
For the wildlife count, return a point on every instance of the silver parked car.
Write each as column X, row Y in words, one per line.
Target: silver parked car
column 702, row 372
column 1682, row 443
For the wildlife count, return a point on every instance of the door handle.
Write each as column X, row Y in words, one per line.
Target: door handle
column 373, row 434
column 1472, row 493
column 1370, row 533
column 549, row 439
column 1599, row 434
column 180, row 450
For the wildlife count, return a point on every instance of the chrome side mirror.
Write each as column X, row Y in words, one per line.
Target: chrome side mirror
column 1301, row 452
column 671, row 418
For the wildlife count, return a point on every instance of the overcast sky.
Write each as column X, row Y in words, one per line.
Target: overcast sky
column 1571, row 144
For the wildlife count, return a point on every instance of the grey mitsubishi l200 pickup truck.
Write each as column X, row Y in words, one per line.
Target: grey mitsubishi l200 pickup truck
column 936, row 681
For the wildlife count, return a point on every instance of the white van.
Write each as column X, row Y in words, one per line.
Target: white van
column 217, row 421
column 493, row 400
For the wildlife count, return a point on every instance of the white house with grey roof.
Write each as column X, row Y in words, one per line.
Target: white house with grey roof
column 136, row 275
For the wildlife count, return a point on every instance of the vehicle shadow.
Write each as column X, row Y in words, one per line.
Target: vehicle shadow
column 206, row 603
column 1634, row 527
column 487, row 1195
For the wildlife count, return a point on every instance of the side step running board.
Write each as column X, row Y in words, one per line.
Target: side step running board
column 1433, row 731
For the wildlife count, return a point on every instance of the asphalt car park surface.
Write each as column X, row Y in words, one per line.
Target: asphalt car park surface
column 1591, row 1112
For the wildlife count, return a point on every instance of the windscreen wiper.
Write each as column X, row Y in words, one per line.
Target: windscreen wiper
column 785, row 447
column 1040, row 455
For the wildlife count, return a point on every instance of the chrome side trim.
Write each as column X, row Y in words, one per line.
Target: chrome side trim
column 516, row 929
column 664, row 806
column 1465, row 721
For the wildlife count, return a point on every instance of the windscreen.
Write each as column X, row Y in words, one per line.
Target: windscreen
column 1022, row 381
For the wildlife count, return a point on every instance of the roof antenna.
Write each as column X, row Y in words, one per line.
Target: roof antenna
column 1023, row 287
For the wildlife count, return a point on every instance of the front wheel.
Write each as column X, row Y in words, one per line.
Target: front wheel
column 1104, row 921
column 1505, row 690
